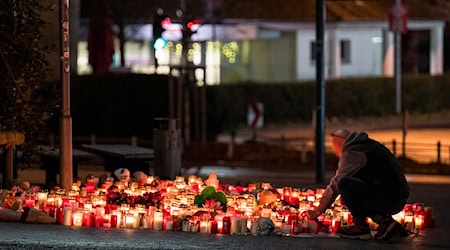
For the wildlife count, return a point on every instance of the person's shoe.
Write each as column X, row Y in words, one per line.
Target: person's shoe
column 388, row 227
column 356, row 232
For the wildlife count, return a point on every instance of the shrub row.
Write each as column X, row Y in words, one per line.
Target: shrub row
column 124, row 105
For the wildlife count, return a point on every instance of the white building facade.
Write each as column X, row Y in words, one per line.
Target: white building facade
column 281, row 52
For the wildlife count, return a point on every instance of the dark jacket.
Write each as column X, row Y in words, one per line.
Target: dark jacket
column 370, row 161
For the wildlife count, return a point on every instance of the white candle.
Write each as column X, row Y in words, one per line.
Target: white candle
column 78, row 219
column 158, row 221
column 148, row 220
column 67, row 216
column 169, row 225
column 244, row 225
column 203, row 226
column 235, row 225
column 42, row 199
column 130, row 221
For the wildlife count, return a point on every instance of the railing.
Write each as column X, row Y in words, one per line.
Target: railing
column 420, row 152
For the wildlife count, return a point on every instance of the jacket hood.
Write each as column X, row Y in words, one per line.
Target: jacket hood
column 356, row 138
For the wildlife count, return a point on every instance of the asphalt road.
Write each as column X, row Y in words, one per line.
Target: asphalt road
column 430, row 190
column 38, row 236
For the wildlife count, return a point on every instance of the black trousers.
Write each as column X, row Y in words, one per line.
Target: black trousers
column 364, row 200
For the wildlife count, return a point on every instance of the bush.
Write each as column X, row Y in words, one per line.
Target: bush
column 125, row 105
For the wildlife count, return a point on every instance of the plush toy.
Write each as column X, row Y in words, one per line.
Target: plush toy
column 123, row 175
column 140, row 177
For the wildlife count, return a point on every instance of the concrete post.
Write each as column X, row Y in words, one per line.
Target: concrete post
column 9, row 167
column 10, row 139
column 167, row 147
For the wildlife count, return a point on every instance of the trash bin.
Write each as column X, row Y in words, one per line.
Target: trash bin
column 167, row 147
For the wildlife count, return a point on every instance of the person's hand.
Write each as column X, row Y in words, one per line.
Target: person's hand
column 312, row 214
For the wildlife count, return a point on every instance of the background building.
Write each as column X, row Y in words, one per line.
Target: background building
column 250, row 41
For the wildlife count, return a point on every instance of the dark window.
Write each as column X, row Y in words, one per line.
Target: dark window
column 345, row 51
column 313, row 50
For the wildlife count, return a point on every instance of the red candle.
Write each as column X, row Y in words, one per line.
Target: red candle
column 428, row 217
column 90, row 186
column 65, row 202
column 294, row 200
column 60, row 215
column 291, row 218
column 295, row 226
column 92, row 220
column 335, row 225
column 350, row 219
column 226, row 225
column 29, row 201
column 305, row 226
column 86, row 220
column 287, row 194
column 214, row 227
column 98, row 221
column 113, row 220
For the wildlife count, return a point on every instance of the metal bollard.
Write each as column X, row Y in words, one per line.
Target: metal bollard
column 438, row 152
column 167, row 147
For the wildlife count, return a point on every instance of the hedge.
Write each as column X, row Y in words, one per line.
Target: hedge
column 126, row 104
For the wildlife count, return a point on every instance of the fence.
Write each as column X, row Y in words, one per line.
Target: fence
column 420, row 152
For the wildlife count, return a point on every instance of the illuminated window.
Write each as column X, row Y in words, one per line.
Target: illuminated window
column 231, row 51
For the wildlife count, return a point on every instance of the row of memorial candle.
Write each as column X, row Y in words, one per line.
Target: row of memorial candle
column 294, row 196
column 415, row 216
column 243, row 203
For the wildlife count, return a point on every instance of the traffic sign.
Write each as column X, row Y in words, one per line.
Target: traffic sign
column 255, row 115
column 398, row 18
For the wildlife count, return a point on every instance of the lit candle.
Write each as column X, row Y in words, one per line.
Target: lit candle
column 107, row 220
column 169, row 224
column 345, row 214
column 305, row 225
column 419, row 220
column 51, row 200
column 148, row 220
column 130, row 220
column 87, row 206
column 287, row 194
column 30, row 200
column 67, row 221
column 204, row 226
column 244, row 227
column 58, row 201
column 213, row 225
column 158, row 221
column 219, row 221
column 319, row 193
column 335, row 224
column 294, row 200
column 113, row 220
column 42, row 199
column 251, row 187
column 311, row 197
column 150, row 179
column 194, row 225
column 78, row 219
